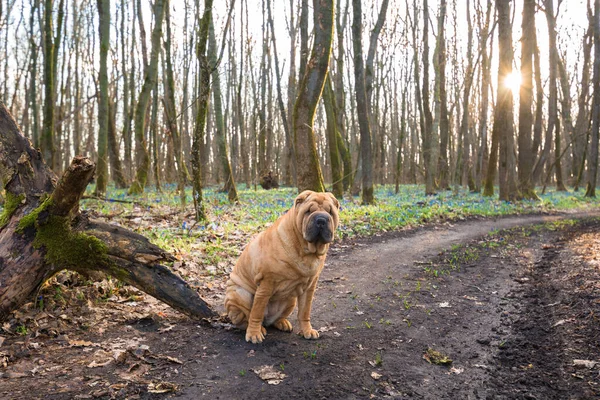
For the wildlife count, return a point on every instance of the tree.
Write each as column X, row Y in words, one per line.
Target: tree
column 526, row 100
column 443, row 168
column 581, row 130
column 553, row 131
column 202, row 109
column 337, row 187
column 467, row 170
column 170, row 109
column 427, row 134
column 593, row 161
column 309, row 92
column 150, row 78
column 103, row 113
column 503, row 114
column 221, row 137
column 361, row 105
column 42, row 235
column 47, row 136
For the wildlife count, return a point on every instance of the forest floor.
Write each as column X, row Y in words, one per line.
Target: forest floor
column 504, row 308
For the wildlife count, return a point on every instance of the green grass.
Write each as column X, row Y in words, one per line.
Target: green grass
column 218, row 242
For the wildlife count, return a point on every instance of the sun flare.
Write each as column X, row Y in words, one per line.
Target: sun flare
column 513, row 82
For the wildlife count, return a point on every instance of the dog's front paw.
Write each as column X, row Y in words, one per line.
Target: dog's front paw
column 256, row 335
column 309, row 334
column 283, row 325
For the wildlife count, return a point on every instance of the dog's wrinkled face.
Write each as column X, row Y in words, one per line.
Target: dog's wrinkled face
column 317, row 217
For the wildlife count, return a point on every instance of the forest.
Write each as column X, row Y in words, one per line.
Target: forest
column 144, row 143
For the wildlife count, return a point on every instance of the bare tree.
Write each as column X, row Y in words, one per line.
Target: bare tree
column 503, row 114
column 361, row 105
column 593, row 161
column 102, row 165
column 150, row 78
column 309, row 93
column 526, row 100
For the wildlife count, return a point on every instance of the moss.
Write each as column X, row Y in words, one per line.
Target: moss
column 64, row 247
column 30, row 219
column 11, row 203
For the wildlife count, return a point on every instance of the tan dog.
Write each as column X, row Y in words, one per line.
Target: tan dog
column 280, row 267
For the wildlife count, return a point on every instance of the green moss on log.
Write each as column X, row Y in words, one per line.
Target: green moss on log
column 11, row 203
column 31, row 218
column 64, row 248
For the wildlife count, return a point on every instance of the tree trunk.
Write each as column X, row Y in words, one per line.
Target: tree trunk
column 526, row 100
column 486, row 78
column 553, row 132
column 202, row 110
column 593, row 160
column 467, row 168
column 283, row 114
column 309, row 92
column 332, row 134
column 113, row 149
column 443, row 168
column 102, row 165
column 427, row 134
column 150, row 78
column 47, row 136
column 503, row 114
column 581, row 130
column 362, row 110
column 220, row 134
column 169, row 85
column 39, row 238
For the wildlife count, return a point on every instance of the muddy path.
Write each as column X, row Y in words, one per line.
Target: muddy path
column 494, row 304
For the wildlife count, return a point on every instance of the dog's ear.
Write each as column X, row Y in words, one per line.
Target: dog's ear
column 335, row 201
column 302, row 196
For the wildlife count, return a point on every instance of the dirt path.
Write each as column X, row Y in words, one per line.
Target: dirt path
column 381, row 303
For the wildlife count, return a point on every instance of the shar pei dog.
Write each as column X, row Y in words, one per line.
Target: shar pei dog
column 280, row 268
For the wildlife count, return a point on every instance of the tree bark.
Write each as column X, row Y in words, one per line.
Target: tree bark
column 332, row 134
column 150, row 78
column 202, row 110
column 47, row 136
column 593, row 160
column 581, row 130
column 427, row 134
column 220, row 134
column 41, row 237
column 503, row 114
column 525, row 101
column 169, row 85
column 309, row 92
column 362, row 110
column 102, row 164
column 443, row 168
column 553, row 132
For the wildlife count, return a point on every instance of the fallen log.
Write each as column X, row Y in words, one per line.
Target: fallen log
column 42, row 231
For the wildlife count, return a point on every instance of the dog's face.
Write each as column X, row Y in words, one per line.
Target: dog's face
column 317, row 217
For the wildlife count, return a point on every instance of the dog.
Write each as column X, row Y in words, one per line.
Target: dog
column 280, row 268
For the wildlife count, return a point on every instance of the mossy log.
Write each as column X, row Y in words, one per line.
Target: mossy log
column 42, row 231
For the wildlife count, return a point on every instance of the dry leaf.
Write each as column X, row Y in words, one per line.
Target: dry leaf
column 162, row 387
column 456, row 371
column 95, row 364
column 584, row 364
column 82, row 343
column 269, row 374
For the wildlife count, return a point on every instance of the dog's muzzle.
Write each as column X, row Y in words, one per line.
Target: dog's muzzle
column 319, row 229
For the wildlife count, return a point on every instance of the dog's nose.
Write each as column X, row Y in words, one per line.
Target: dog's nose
column 321, row 221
